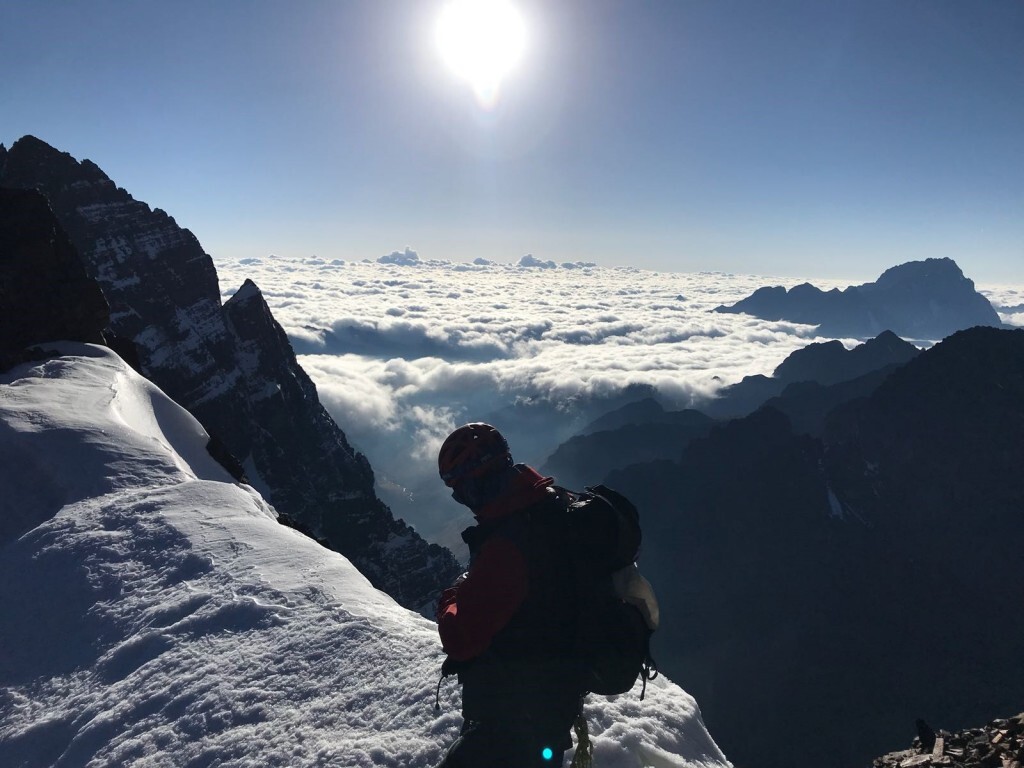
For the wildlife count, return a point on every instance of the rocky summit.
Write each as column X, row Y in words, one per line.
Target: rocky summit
column 231, row 366
column 927, row 299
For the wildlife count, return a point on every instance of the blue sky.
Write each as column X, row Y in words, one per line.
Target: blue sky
column 819, row 138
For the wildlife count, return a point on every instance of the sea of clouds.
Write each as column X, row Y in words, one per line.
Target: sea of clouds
column 404, row 349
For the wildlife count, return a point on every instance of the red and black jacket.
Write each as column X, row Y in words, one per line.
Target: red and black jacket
column 510, row 624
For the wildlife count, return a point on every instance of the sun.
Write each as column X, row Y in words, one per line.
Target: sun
column 481, row 41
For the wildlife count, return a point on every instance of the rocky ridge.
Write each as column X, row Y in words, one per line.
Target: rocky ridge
column 822, row 363
column 1000, row 744
column 231, row 366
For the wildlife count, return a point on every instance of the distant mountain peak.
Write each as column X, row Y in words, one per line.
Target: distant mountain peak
column 249, row 290
column 936, row 269
column 824, row 364
column 830, row 362
column 886, row 337
column 927, row 299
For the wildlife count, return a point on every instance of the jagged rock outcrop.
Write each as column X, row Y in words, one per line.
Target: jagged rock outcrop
column 1000, row 744
column 45, row 293
column 822, row 363
column 830, row 362
column 927, row 299
column 161, row 287
column 331, row 475
column 837, row 581
column 231, row 367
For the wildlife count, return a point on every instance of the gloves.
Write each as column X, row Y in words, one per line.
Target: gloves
column 449, row 596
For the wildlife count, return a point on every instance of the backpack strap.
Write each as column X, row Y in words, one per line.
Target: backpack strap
column 648, row 671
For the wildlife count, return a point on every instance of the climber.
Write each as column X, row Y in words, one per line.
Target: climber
column 508, row 624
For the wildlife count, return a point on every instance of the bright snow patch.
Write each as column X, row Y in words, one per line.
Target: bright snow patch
column 153, row 612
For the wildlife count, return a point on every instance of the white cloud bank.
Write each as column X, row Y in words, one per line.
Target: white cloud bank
column 1008, row 301
column 402, row 355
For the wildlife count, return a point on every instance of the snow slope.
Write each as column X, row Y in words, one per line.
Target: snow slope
column 153, row 612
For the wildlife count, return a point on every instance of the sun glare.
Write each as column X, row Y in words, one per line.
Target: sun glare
column 481, row 41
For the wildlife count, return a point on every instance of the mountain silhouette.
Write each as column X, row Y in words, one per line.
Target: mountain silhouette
column 822, row 363
column 849, row 581
column 927, row 299
column 808, row 384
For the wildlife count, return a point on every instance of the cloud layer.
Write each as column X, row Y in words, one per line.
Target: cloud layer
column 1008, row 301
column 404, row 349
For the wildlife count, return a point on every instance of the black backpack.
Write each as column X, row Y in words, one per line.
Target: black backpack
column 617, row 612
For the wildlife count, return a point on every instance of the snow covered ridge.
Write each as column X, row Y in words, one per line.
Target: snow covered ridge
column 153, row 612
column 230, row 365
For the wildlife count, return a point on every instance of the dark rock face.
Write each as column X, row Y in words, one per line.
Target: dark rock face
column 822, row 377
column 736, row 544
column 162, row 288
column 823, row 364
column 231, row 367
column 807, row 404
column 283, row 402
column 835, row 584
column 921, row 300
column 45, row 294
